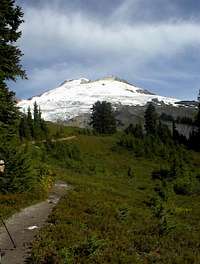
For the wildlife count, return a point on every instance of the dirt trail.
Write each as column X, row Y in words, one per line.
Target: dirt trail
column 24, row 225
column 55, row 140
column 52, row 140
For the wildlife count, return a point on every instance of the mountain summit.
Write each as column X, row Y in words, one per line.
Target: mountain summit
column 76, row 97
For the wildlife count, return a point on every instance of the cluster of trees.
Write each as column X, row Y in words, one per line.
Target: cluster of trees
column 33, row 127
column 157, row 141
column 103, row 122
column 154, row 127
column 194, row 141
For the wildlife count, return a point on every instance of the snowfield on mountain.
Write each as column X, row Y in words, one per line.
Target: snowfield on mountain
column 76, row 97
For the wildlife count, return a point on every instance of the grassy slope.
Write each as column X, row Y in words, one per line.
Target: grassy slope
column 105, row 217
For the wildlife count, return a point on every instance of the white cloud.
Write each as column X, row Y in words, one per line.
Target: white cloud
column 73, row 44
column 48, row 35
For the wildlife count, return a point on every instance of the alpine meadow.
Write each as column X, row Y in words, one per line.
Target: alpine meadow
column 98, row 170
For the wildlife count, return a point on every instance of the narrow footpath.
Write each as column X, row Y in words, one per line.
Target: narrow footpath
column 23, row 226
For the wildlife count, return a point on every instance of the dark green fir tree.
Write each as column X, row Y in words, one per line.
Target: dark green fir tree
column 102, row 119
column 11, row 17
column 10, row 68
column 136, row 131
column 198, row 116
column 30, row 121
column 151, row 120
column 16, row 177
column 194, row 140
column 36, row 122
column 24, row 130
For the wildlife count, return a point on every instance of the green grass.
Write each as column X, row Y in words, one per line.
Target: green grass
column 107, row 216
column 59, row 131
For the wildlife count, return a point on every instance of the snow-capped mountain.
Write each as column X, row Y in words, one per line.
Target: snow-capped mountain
column 76, row 97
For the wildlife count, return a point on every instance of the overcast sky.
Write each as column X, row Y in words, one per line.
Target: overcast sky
column 154, row 44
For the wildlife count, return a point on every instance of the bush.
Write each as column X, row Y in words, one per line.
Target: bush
column 186, row 186
column 63, row 151
column 18, row 176
column 136, row 130
column 130, row 173
column 160, row 174
column 46, row 179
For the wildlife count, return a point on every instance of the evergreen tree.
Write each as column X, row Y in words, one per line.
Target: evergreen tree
column 42, row 123
column 10, row 20
column 102, row 119
column 198, row 116
column 198, row 124
column 44, row 128
column 30, row 121
column 164, row 133
column 16, row 176
column 36, row 114
column 8, row 109
column 151, row 119
column 24, row 130
column 177, row 137
column 36, row 122
column 129, row 129
column 10, row 68
column 136, row 130
column 194, row 139
column 9, row 114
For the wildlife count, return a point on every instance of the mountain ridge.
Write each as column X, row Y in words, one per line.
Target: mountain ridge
column 76, row 96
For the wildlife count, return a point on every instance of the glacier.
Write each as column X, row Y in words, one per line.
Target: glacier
column 76, row 97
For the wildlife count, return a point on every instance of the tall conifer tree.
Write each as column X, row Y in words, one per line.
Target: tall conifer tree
column 151, row 119
column 10, row 55
column 16, row 176
column 11, row 17
column 103, row 119
column 36, row 122
column 198, row 116
column 30, row 121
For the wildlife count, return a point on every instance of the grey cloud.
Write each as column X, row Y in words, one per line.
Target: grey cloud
column 96, row 9
column 143, row 11
column 54, row 36
column 132, row 11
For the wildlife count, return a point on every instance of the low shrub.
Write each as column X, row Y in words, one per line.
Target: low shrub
column 46, row 177
column 186, row 186
column 63, row 151
column 161, row 174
